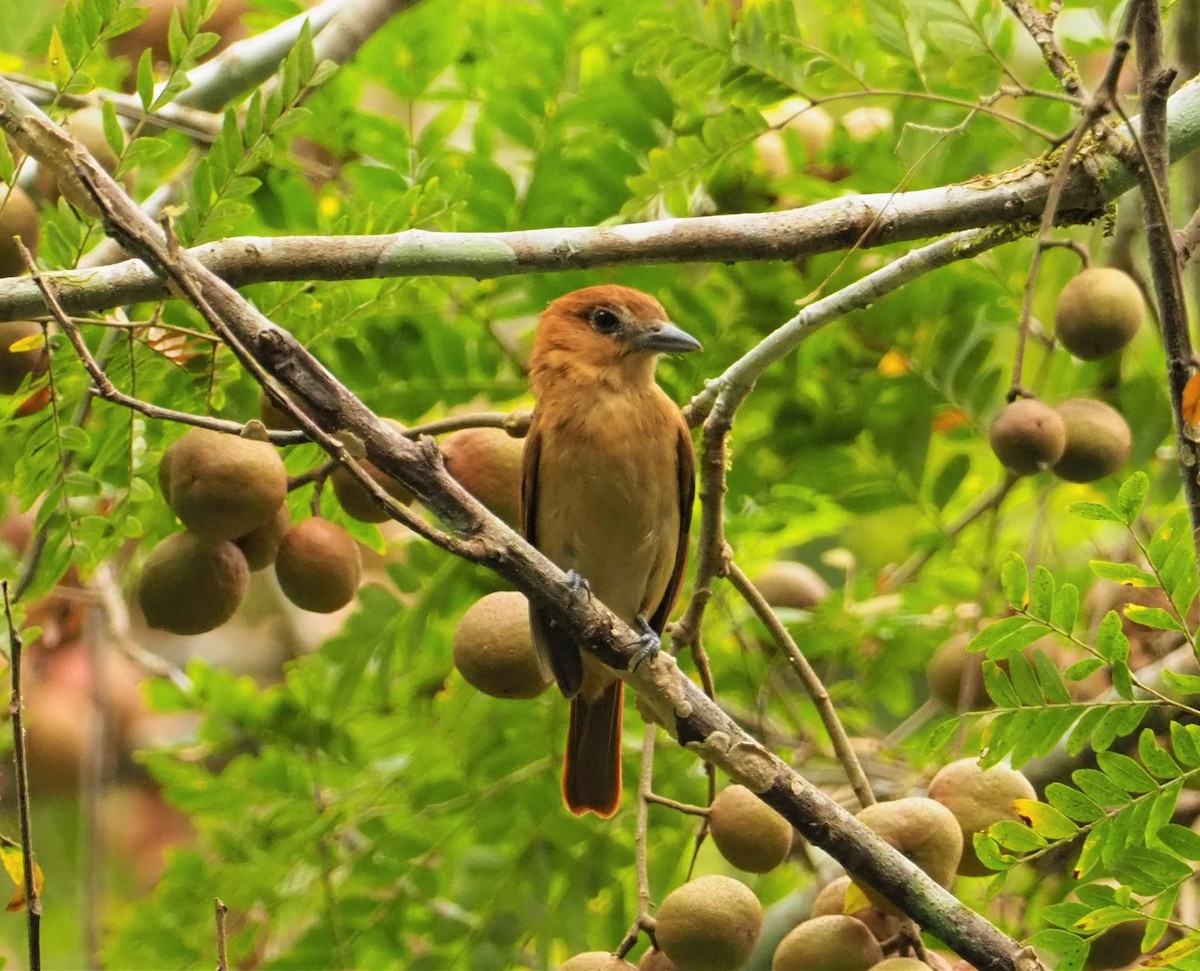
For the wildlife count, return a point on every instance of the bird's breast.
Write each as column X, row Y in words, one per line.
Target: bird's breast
column 608, row 498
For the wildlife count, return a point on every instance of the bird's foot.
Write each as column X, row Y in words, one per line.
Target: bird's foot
column 649, row 644
column 578, row 584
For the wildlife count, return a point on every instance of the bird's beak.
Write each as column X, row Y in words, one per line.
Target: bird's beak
column 664, row 337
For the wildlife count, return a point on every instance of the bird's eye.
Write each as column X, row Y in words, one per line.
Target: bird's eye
column 605, row 321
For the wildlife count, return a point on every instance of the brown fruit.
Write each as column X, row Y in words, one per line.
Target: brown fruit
column 748, row 832
column 318, row 566
column 222, row 486
column 788, row 584
column 978, row 797
column 923, row 830
column 493, row 648
column 152, row 32
column 900, row 964
column 656, row 960
column 355, row 501
column 260, row 545
column 832, row 900
column 1028, row 436
column 1098, row 441
column 57, row 721
column 1098, row 313
column 18, row 217
column 831, row 943
column 15, row 365
column 596, row 961
column 709, row 924
column 1117, row 947
column 487, row 463
column 190, row 585
column 950, row 664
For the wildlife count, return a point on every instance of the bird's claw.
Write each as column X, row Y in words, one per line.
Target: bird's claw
column 578, row 584
column 649, row 644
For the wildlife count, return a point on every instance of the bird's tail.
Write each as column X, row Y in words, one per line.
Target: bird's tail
column 592, row 769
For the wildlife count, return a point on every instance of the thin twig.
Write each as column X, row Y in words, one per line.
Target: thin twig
column 984, row 504
column 679, row 807
column 1041, row 28
column 33, row 903
column 222, row 939
column 643, row 921
column 813, row 685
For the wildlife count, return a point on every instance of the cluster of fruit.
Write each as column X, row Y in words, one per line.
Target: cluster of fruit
column 229, row 492
column 713, row 923
column 1082, row 440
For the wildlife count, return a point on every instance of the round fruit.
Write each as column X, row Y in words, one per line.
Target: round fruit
column 15, row 365
column 1098, row 440
column 318, row 566
column 923, row 830
column 709, row 924
column 655, row 960
column 355, row 501
column 18, row 217
column 222, row 486
column 487, row 463
column 951, row 663
column 978, row 797
column 900, row 964
column 261, row 545
column 788, row 584
column 1117, row 947
column 1098, row 313
column 1028, row 436
column 493, row 648
column 596, row 961
column 832, row 900
column 832, row 943
column 189, row 585
column 748, row 832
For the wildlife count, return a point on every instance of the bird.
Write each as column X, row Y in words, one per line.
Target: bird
column 607, row 485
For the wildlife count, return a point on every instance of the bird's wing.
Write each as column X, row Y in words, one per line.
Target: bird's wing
column 557, row 653
column 685, row 460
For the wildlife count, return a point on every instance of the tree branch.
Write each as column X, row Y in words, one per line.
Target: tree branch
column 1096, row 178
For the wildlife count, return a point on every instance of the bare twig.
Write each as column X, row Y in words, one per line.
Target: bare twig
column 984, row 504
column 1041, row 28
column 679, row 807
column 813, row 685
column 643, row 921
column 1102, row 101
column 33, row 903
column 222, row 940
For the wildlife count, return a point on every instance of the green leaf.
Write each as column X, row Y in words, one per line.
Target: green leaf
column 949, row 478
column 1041, row 593
column 1125, row 772
column 1094, row 512
column 994, row 633
column 1066, row 607
column 1111, row 642
column 74, row 438
column 1181, row 684
column 1125, row 573
column 1132, row 495
column 1154, row 617
column 1185, row 743
column 1014, row 579
column 1156, row 759
column 1073, row 803
column 1048, row 822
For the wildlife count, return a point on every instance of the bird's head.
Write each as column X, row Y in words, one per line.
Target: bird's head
column 608, row 333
